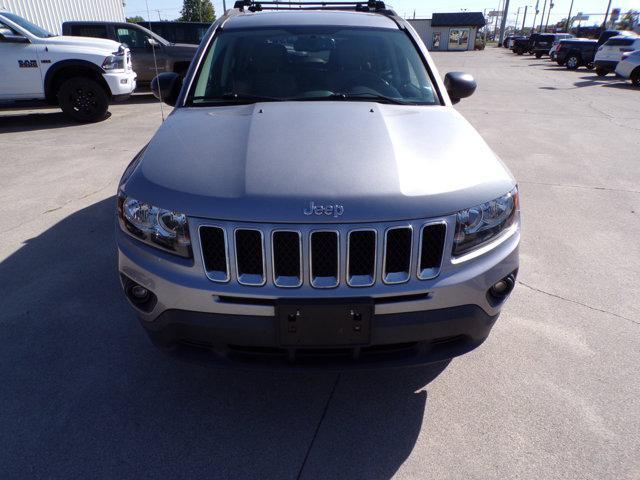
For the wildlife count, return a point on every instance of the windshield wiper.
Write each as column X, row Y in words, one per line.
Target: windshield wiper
column 364, row 96
column 237, row 98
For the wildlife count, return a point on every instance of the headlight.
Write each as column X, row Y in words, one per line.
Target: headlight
column 156, row 226
column 113, row 62
column 480, row 224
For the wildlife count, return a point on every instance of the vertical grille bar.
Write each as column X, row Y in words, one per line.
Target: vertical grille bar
column 286, row 256
column 325, row 261
column 215, row 253
column 432, row 239
column 397, row 255
column 250, row 257
column 361, row 258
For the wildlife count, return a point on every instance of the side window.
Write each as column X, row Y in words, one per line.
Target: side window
column 96, row 31
column 132, row 37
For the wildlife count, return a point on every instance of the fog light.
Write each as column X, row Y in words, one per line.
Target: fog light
column 500, row 290
column 139, row 293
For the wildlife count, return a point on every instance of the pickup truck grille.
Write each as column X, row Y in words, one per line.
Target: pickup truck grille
column 323, row 257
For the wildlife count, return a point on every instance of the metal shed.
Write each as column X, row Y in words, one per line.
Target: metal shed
column 449, row 31
column 50, row 14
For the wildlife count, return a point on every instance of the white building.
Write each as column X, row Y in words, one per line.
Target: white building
column 449, row 31
column 49, row 14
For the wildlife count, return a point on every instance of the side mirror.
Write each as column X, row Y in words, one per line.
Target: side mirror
column 459, row 85
column 11, row 38
column 152, row 42
column 166, row 87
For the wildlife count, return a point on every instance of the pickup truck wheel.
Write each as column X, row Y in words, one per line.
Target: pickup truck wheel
column 573, row 62
column 83, row 99
column 635, row 77
column 601, row 72
column 519, row 51
column 590, row 66
column 538, row 55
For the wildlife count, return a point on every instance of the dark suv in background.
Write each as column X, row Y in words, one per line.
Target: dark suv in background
column 170, row 57
column 543, row 42
column 577, row 52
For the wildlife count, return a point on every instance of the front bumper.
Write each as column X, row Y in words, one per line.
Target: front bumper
column 412, row 323
column 121, row 84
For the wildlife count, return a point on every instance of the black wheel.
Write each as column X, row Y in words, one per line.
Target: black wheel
column 590, row 66
column 573, row 62
column 519, row 51
column 601, row 72
column 83, row 99
column 538, row 55
column 635, row 78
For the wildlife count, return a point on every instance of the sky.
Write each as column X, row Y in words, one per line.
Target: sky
column 170, row 9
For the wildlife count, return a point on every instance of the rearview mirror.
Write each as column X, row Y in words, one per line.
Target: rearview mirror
column 166, row 87
column 459, row 85
column 12, row 38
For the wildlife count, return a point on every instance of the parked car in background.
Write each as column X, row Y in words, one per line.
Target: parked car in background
column 609, row 54
column 576, row 52
column 507, row 39
column 543, row 42
column 629, row 67
column 513, row 39
column 607, row 34
column 81, row 75
column 179, row 32
column 522, row 45
column 148, row 49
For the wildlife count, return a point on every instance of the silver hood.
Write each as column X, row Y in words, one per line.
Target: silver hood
column 265, row 162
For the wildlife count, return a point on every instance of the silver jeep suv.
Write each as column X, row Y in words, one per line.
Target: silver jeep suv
column 314, row 197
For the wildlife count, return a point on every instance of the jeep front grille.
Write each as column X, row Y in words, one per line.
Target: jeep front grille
column 323, row 257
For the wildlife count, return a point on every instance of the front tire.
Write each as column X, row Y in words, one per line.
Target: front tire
column 635, row 78
column 538, row 55
column 590, row 66
column 83, row 99
column 573, row 62
column 601, row 72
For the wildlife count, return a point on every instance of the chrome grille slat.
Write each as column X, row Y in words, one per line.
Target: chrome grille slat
column 432, row 237
column 337, row 256
column 215, row 253
column 286, row 258
column 324, row 267
column 250, row 265
column 361, row 258
column 397, row 255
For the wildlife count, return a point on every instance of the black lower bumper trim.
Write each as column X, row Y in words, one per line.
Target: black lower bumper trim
column 396, row 339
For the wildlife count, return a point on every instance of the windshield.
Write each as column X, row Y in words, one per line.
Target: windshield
column 313, row 63
column 27, row 25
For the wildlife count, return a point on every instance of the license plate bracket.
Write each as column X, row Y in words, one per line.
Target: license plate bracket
column 331, row 324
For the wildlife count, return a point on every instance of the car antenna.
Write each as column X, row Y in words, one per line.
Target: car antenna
column 155, row 61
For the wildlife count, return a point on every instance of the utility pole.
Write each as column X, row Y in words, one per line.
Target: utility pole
column 517, row 17
column 546, row 25
column 504, row 21
column 568, row 27
column 495, row 26
column 524, row 19
column 606, row 15
column 533, row 27
column 544, row 8
column 224, row 6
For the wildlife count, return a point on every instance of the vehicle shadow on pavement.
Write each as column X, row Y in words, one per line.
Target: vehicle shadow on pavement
column 85, row 394
column 14, row 122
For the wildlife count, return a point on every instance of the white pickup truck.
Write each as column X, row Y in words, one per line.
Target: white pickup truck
column 81, row 75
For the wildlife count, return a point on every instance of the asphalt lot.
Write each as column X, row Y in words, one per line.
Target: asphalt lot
column 553, row 393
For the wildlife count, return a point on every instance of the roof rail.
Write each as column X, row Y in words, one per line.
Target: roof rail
column 376, row 6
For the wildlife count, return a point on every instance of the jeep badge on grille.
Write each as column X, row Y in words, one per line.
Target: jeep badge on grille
column 313, row 209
